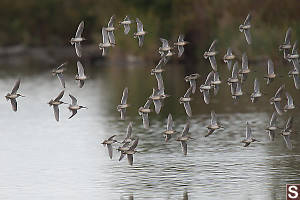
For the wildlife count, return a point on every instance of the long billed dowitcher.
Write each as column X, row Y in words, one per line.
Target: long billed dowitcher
column 290, row 103
column 206, row 87
column 277, row 99
column 185, row 136
column 192, row 80
column 214, row 124
column 249, row 138
column 287, row 43
column 256, row 91
column 73, row 107
column 55, row 103
column 105, row 42
column 59, row 73
column 272, row 126
column 144, row 112
column 186, row 102
column 110, row 30
column 80, row 77
column 109, row 143
column 287, row 131
column 210, row 54
column 126, row 23
column 76, row 41
column 245, row 28
column 245, row 68
column 271, row 74
column 228, row 58
column 170, row 131
column 123, row 106
column 180, row 44
column 140, row 34
column 131, row 151
column 14, row 95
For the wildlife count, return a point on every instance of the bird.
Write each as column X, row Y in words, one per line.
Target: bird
column 294, row 56
column 180, row 44
column 131, row 151
column 122, row 149
column 210, row 54
column 14, row 95
column 245, row 69
column 170, row 131
column 245, row 28
column 128, row 137
column 271, row 74
column 144, row 112
column 55, row 103
column 73, row 107
column 272, row 126
column 206, row 87
column 126, row 23
column 277, row 99
column 140, row 34
column 59, row 73
column 76, row 41
column 110, row 30
column 249, row 138
column 186, row 102
column 80, row 77
column 184, row 138
column 287, row 131
column 287, row 43
column 165, row 47
column 123, row 106
column 216, row 82
column 192, row 80
column 229, row 58
column 295, row 75
column 156, row 98
column 105, row 42
column 256, row 93
column 214, row 124
column 290, row 103
column 109, row 143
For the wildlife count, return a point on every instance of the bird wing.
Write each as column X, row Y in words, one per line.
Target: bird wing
column 248, row 36
column 134, row 145
column 287, row 39
column 111, row 37
column 74, row 100
column 296, row 81
column 186, row 129
column 180, row 50
column 130, row 159
column 160, row 82
column 273, row 119
column 121, row 156
column 289, row 124
column 184, row 147
column 234, row 73
column 213, row 62
column 256, row 86
column 129, row 130
column 139, row 25
column 157, row 106
column 287, row 141
column 141, row 40
column 247, row 20
column 295, row 47
column 110, row 151
column 212, row 46
column 61, row 79
column 61, row 66
column 279, row 91
column 180, row 38
column 248, row 131
column 209, row 78
column 244, row 61
column 14, row 104
column 78, row 49
column 188, row 108
column 80, row 69
column 206, row 96
column 80, row 83
column 145, row 117
column 124, row 96
column 278, row 108
column 213, row 120
column 165, row 42
column 170, row 123
column 16, row 87
column 123, row 111
column 126, row 28
column 188, row 93
column 111, row 21
column 59, row 96
column 193, row 85
column 289, row 99
column 105, row 36
column 56, row 112
column 79, row 29
column 270, row 67
column 147, row 104
column 73, row 113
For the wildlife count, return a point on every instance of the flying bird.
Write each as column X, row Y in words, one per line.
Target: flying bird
column 74, row 107
column 123, row 106
column 210, row 54
column 59, row 73
column 245, row 28
column 80, row 77
column 55, row 103
column 140, row 34
column 76, row 41
column 14, row 95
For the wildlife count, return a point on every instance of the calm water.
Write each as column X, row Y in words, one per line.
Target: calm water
column 42, row 159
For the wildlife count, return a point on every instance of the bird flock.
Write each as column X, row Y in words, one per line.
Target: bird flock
column 212, row 83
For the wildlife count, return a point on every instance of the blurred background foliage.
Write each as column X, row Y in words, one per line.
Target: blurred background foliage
column 54, row 22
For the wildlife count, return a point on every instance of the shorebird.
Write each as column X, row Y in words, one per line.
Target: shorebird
column 272, row 126
column 110, row 30
column 192, row 80
column 184, row 138
column 59, row 73
column 14, row 95
column 170, row 131
column 55, row 103
column 186, row 102
column 214, row 124
column 156, row 98
column 78, row 38
column 180, row 44
column 229, row 58
column 109, row 143
column 287, row 43
column 105, row 42
column 290, row 103
column 216, row 82
column 245, row 69
column 126, row 23
column 271, row 74
column 131, row 151
column 206, row 87
column 80, row 77
column 140, row 34
column 122, row 149
column 122, row 107
column 144, row 112
column 210, row 54
column 73, row 107
column 245, row 28
column 277, row 99
column 249, row 138
column 287, row 131
column 128, row 137
column 256, row 92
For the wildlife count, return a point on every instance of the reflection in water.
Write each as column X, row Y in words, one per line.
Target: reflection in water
column 43, row 159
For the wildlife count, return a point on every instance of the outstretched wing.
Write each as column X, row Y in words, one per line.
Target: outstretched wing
column 16, row 87
column 170, row 123
column 124, row 96
column 248, row 36
column 186, row 129
column 213, row 46
column 270, row 67
column 139, row 25
column 248, row 19
column 79, row 29
column 74, row 100
column 60, row 95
